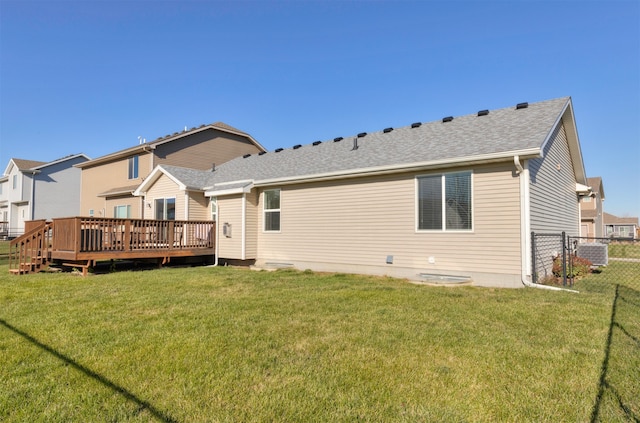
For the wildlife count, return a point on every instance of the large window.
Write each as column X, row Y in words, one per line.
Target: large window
column 272, row 210
column 166, row 208
column 133, row 167
column 444, row 202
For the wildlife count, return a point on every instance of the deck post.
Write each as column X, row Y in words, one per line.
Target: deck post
column 170, row 235
column 127, row 235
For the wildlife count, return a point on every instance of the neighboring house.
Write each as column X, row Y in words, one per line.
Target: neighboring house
column 591, row 211
column 455, row 199
column 32, row 190
column 109, row 181
column 620, row 227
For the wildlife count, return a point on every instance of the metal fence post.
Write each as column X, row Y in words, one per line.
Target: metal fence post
column 564, row 259
column 534, row 274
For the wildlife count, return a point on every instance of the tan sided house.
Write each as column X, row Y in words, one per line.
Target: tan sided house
column 591, row 210
column 108, row 182
column 450, row 200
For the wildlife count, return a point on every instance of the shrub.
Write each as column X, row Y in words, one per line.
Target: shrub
column 576, row 266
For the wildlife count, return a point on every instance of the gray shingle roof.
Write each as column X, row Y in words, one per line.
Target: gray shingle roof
column 191, row 178
column 501, row 131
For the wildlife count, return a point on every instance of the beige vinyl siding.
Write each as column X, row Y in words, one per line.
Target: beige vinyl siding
column 105, row 177
column 164, row 187
column 362, row 221
column 198, row 206
column 202, row 149
column 230, row 211
column 252, row 227
column 554, row 205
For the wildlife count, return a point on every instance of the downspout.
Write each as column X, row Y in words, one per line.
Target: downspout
column 186, row 205
column 243, row 253
column 525, row 228
column 217, row 248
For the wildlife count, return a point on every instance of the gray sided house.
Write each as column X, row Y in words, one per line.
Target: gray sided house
column 454, row 199
column 33, row 190
column 620, row 227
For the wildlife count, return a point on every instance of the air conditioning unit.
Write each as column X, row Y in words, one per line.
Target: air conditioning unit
column 596, row 253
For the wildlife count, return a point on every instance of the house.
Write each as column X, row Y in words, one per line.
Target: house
column 591, row 210
column 621, row 227
column 451, row 200
column 32, row 190
column 109, row 181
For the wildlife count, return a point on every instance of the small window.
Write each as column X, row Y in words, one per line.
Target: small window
column 586, row 199
column 214, row 209
column 133, row 167
column 444, row 202
column 272, row 210
column 122, row 212
column 15, row 181
column 91, row 212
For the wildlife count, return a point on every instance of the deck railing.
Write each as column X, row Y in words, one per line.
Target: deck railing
column 30, row 251
column 88, row 234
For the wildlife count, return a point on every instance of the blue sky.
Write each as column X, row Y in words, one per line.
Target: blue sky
column 93, row 76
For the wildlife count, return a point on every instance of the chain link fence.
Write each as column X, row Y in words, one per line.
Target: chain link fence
column 559, row 259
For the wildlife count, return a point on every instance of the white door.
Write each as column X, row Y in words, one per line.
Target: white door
column 23, row 214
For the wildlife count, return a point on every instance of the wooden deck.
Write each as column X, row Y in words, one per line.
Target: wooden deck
column 82, row 241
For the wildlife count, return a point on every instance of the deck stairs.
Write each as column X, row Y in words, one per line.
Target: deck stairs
column 31, row 252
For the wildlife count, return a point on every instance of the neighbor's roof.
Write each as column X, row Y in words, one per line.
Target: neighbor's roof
column 23, row 164
column 147, row 146
column 33, row 165
column 596, row 185
column 610, row 219
column 478, row 138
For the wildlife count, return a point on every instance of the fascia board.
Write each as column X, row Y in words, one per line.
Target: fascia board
column 231, row 191
column 530, row 153
column 153, row 177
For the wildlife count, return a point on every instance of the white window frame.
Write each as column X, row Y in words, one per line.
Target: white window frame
column 133, row 167
column 164, row 211
column 443, row 176
column 115, row 211
column 265, row 211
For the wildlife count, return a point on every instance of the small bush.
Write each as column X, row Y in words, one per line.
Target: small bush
column 576, row 266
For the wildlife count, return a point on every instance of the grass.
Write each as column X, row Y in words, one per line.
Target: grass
column 627, row 249
column 4, row 252
column 224, row 344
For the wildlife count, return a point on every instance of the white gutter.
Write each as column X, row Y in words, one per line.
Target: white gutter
column 525, row 228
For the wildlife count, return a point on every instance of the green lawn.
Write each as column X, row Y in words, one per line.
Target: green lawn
column 224, row 344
